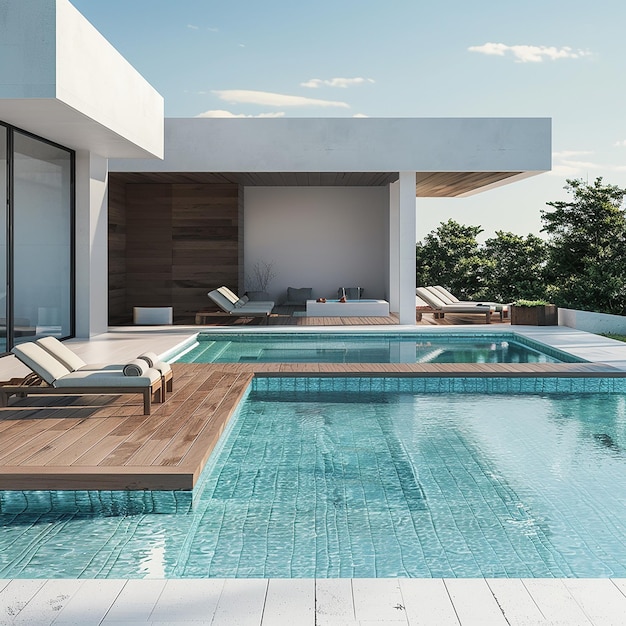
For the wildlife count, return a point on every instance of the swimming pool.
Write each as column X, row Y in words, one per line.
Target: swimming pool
column 388, row 347
column 370, row 477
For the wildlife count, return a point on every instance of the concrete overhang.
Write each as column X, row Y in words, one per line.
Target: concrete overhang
column 452, row 157
column 60, row 79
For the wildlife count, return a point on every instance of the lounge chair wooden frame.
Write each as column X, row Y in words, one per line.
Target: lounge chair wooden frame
column 25, row 389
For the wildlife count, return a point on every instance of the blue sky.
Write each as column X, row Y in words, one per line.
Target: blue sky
column 562, row 59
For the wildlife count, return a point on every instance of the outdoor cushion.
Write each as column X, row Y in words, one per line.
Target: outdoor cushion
column 58, row 350
column 228, row 294
column 106, row 380
column 221, row 300
column 46, row 366
column 350, row 293
column 299, row 295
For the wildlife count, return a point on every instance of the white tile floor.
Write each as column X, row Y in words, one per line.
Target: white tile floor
column 345, row 602
column 324, row 602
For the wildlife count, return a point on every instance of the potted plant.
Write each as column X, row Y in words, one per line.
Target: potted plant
column 534, row 313
column 262, row 275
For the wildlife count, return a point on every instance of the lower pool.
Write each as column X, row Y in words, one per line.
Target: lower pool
column 367, row 477
column 387, row 347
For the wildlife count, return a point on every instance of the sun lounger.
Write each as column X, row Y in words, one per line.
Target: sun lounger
column 450, row 298
column 75, row 364
column 440, row 308
column 242, row 307
column 56, row 378
column 237, row 301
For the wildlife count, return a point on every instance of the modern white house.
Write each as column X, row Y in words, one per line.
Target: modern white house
column 108, row 205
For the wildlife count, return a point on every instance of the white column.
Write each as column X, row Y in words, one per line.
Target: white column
column 406, row 247
column 393, row 287
column 91, row 244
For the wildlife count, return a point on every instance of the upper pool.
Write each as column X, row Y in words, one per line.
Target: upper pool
column 388, row 347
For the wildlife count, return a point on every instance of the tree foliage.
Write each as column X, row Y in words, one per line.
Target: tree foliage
column 517, row 267
column 450, row 256
column 587, row 248
column 505, row 268
column 581, row 264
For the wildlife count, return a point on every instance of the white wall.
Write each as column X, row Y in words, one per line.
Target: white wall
column 319, row 237
column 62, row 80
column 352, row 145
column 91, row 245
column 593, row 322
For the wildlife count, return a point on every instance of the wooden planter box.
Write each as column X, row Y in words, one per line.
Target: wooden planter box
column 546, row 315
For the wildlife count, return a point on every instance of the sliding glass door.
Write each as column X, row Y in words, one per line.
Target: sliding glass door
column 36, row 238
column 3, row 237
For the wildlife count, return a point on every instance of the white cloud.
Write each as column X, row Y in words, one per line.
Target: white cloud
column 314, row 83
column 267, row 98
column 360, row 115
column 193, row 27
column 530, row 54
column 567, row 166
column 621, row 144
column 223, row 113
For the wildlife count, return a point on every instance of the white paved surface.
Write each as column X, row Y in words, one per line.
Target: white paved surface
column 300, row 602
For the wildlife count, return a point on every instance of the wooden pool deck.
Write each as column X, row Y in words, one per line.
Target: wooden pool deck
column 106, row 443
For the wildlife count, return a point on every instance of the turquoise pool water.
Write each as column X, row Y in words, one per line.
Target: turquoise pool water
column 395, row 347
column 365, row 478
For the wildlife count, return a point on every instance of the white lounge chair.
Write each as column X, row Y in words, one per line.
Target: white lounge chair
column 56, row 378
column 440, row 308
column 242, row 307
column 74, row 363
column 450, row 298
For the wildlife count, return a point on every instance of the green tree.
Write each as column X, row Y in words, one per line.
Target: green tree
column 586, row 265
column 517, row 267
column 450, row 256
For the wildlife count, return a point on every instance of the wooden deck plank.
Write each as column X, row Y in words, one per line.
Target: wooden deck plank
column 135, row 450
column 200, row 450
column 211, row 417
column 69, row 437
column 159, row 440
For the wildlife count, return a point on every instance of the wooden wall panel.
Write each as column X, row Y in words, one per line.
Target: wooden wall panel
column 205, row 230
column 181, row 240
column 117, row 252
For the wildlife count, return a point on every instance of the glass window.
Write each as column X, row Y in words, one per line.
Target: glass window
column 42, row 236
column 3, row 239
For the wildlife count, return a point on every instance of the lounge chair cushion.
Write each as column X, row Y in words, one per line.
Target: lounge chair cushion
column 222, row 301
column 228, row 294
column 299, row 295
column 58, row 350
column 106, row 379
column 46, row 366
column 137, row 367
column 350, row 293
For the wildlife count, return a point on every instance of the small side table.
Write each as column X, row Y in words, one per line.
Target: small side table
column 152, row 315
